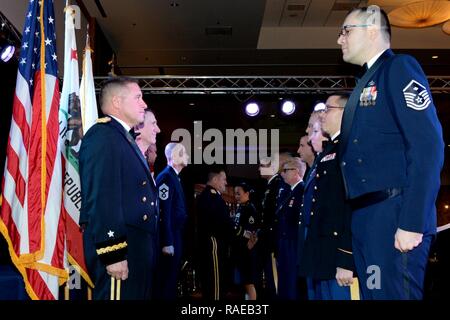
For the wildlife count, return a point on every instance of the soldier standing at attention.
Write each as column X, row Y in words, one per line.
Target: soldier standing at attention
column 173, row 215
column 119, row 210
column 391, row 155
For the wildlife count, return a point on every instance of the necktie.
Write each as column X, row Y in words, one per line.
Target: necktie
column 132, row 141
column 361, row 72
column 133, row 133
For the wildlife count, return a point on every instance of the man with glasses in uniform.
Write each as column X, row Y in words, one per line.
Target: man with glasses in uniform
column 391, row 155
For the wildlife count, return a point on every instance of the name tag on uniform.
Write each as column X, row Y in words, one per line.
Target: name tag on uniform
column 368, row 96
column 329, row 157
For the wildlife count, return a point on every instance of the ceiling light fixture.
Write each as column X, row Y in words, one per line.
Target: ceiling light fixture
column 288, row 107
column 252, row 109
column 420, row 14
column 446, row 27
column 6, row 51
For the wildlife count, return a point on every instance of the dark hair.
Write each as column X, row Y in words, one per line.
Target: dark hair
column 384, row 20
column 343, row 96
column 214, row 170
column 113, row 82
column 245, row 187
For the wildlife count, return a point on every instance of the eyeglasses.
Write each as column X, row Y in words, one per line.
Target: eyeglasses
column 345, row 29
column 287, row 169
column 328, row 108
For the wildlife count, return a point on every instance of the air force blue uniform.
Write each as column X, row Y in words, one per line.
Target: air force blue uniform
column 119, row 210
column 392, row 155
column 172, row 221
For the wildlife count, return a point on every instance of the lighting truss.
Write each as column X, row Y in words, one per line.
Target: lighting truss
column 257, row 84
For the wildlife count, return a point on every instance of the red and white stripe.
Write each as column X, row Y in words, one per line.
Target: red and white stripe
column 37, row 240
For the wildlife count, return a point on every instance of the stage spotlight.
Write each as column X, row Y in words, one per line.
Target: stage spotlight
column 288, row 107
column 320, row 107
column 6, row 51
column 252, row 109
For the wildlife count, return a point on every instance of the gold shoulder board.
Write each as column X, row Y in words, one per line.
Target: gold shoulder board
column 103, row 120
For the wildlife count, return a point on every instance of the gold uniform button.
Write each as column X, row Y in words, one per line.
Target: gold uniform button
column 144, row 199
column 317, row 175
column 335, row 233
column 312, row 213
column 152, row 203
column 144, row 217
column 144, row 183
column 325, row 172
column 313, row 200
column 315, row 187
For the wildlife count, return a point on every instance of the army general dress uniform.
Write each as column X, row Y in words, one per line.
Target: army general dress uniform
column 392, row 155
column 119, row 210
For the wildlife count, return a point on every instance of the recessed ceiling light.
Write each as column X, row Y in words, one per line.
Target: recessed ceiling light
column 192, row 104
column 434, row 57
column 272, row 116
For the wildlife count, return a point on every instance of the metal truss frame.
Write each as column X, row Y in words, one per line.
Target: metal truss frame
column 257, row 84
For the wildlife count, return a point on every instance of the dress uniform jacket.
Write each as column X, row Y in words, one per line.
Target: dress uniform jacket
column 216, row 230
column 276, row 187
column 173, row 216
column 266, row 236
column 119, row 209
column 286, row 233
column 248, row 218
column 328, row 243
column 392, row 138
column 392, row 155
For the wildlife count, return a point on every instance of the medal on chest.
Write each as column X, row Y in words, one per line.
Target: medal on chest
column 368, row 96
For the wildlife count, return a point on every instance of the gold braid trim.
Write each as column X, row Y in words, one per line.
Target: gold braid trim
column 112, row 248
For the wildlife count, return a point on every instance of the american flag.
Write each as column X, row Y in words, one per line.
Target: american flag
column 31, row 219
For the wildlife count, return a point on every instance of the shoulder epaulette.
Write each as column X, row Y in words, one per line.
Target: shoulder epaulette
column 213, row 191
column 103, row 120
